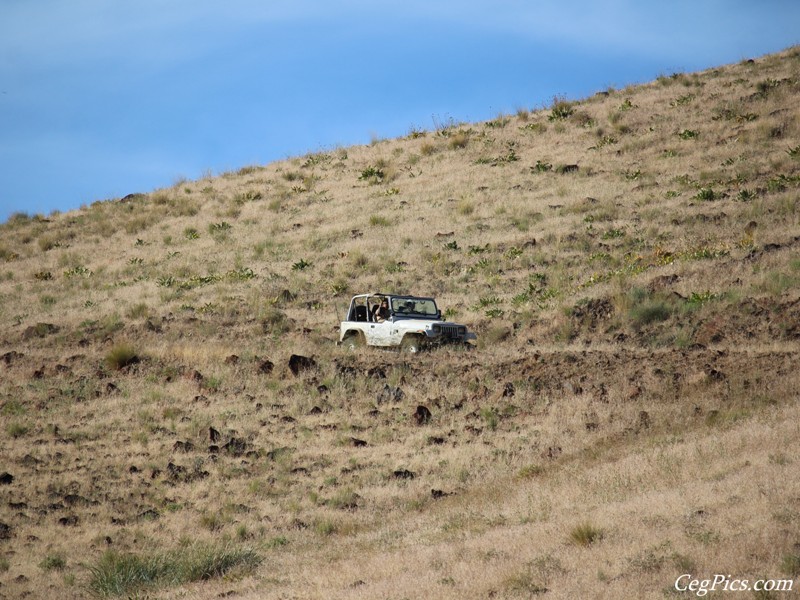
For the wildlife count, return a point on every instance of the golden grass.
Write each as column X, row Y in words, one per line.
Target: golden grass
column 634, row 384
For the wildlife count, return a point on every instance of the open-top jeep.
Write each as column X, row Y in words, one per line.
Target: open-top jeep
column 390, row 320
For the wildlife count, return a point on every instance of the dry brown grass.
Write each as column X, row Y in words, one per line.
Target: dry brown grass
column 635, row 375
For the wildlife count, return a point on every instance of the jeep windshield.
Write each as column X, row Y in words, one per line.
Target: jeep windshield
column 424, row 308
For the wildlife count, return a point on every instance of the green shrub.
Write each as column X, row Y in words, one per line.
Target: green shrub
column 560, row 110
column 53, row 562
column 118, row 574
column 586, row 534
column 121, row 356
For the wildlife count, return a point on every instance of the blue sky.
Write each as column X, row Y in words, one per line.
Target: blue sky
column 101, row 98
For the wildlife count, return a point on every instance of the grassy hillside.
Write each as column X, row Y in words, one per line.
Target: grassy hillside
column 630, row 262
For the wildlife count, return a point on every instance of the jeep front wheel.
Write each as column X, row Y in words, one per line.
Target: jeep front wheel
column 411, row 344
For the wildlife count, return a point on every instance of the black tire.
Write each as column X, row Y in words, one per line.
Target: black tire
column 353, row 342
column 411, row 344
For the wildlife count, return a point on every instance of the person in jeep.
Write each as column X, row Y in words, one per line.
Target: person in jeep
column 381, row 312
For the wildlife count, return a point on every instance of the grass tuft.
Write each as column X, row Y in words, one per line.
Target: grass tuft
column 121, row 356
column 117, row 574
column 586, row 534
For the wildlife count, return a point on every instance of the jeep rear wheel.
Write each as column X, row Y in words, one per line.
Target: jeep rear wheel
column 411, row 344
column 353, row 341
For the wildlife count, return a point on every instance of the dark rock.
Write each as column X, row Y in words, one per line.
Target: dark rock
column 6, row 478
column 403, row 474
column 213, row 434
column 435, row 440
column 346, row 371
column 235, row 446
column 422, row 415
column 713, row 373
column 376, row 373
column 662, row 282
column 76, row 500
column 437, row 494
column 265, row 367
column 180, row 446
column 133, row 469
column 299, row 363
column 213, row 449
column 232, row 360
column 40, row 330
column 175, row 470
column 10, row 358
column 552, row 452
column 68, row 521
column 5, row 531
column 315, row 411
column 390, row 394
column 357, row 443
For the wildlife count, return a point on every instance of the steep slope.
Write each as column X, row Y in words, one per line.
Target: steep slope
column 630, row 262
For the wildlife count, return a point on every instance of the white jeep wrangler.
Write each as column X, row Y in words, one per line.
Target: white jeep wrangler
column 389, row 320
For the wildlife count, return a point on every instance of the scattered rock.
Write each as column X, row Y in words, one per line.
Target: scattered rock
column 299, row 363
column 68, row 521
column 357, row 443
column 713, row 374
column 390, row 394
column 376, row 373
column 235, row 446
column 40, row 330
column 662, row 282
column 180, row 446
column 5, row 531
column 435, row 440
column 6, row 478
column 76, row 500
column 422, row 415
column 437, row 494
column 213, row 434
column 265, row 367
column 10, row 358
column 232, row 360
column 403, row 474
column 552, row 452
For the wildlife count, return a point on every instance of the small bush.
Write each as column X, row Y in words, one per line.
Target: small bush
column 121, row 356
column 790, row 564
column 560, row 110
column 53, row 562
column 650, row 311
column 586, row 534
column 118, row 574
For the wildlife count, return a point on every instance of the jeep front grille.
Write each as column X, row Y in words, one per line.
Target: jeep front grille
column 453, row 332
